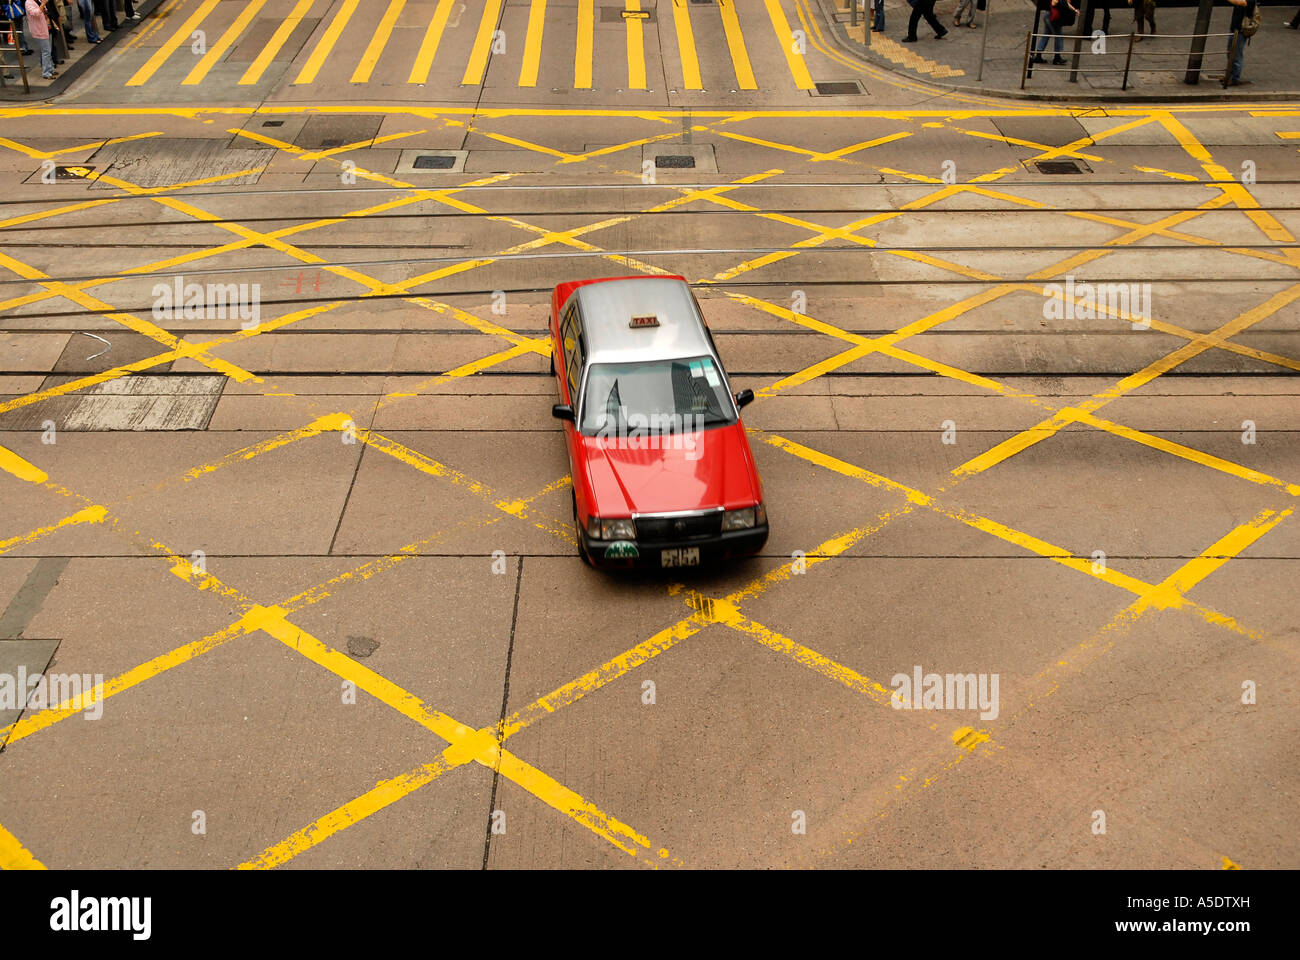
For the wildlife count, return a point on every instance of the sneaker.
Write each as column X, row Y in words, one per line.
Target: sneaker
column 134, row 16
column 971, row 24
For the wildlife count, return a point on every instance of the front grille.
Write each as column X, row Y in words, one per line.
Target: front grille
column 671, row 529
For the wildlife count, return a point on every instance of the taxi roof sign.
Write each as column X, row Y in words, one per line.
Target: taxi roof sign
column 644, row 322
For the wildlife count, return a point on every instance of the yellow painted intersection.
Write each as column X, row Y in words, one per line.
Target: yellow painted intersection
column 484, row 746
column 467, row 41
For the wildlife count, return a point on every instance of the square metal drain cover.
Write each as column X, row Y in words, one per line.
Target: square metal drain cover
column 1058, row 166
column 432, row 162
column 273, row 123
column 838, row 88
column 674, row 161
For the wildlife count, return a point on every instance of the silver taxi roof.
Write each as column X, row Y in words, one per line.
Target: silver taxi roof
column 608, row 308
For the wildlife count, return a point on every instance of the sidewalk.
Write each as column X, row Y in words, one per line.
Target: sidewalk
column 1272, row 56
column 79, row 59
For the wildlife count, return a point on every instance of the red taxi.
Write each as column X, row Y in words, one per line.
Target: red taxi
column 663, row 475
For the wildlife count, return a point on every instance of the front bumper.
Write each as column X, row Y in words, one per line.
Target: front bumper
column 723, row 546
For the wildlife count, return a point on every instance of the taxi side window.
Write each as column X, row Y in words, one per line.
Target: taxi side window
column 569, row 330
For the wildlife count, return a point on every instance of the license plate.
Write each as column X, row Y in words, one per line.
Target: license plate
column 683, row 557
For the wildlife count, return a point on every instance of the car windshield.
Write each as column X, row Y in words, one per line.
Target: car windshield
column 668, row 396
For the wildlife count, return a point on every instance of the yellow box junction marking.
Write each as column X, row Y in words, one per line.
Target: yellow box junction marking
column 1172, row 588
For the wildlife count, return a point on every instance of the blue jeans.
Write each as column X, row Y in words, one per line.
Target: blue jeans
column 1238, row 61
column 88, row 20
column 46, row 50
column 1052, row 28
column 878, row 23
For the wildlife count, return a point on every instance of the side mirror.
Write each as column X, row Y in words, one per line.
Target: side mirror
column 744, row 397
column 562, row 411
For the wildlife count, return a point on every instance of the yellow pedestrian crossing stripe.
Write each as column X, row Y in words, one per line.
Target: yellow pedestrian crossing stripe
column 327, row 55
column 277, row 41
column 331, row 37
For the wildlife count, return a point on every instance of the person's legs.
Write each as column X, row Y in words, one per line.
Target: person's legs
column 1040, row 24
column 1238, row 58
column 912, row 22
column 107, row 14
column 130, row 10
column 927, row 11
column 878, row 23
column 47, row 56
column 88, row 20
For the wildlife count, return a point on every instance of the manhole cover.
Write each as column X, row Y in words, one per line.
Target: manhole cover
column 674, row 161
column 838, row 88
column 273, row 123
column 1058, row 166
column 434, row 163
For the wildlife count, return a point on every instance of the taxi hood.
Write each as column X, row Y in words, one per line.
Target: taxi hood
column 693, row 470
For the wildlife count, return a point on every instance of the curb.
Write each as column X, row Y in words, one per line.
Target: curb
column 863, row 53
column 65, row 79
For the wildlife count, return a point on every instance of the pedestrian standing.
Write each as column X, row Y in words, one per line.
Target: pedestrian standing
column 57, row 29
column 923, row 8
column 1238, row 38
column 878, row 18
column 1143, row 9
column 38, row 27
column 107, row 14
column 1056, row 16
column 88, row 20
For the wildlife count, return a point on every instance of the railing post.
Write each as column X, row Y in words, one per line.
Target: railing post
column 1128, row 59
column 1024, row 69
column 1194, row 57
column 853, row 12
column 984, row 38
column 1232, row 56
column 1085, row 11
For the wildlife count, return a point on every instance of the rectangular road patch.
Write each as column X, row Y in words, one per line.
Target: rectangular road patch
column 159, row 162
column 139, row 402
column 21, row 659
column 254, row 41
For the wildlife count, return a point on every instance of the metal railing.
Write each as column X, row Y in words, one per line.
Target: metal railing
column 1072, row 66
column 9, row 45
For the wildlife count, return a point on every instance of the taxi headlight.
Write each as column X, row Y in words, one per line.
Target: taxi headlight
column 738, row 519
column 620, row 529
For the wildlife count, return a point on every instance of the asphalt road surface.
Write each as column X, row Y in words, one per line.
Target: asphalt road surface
column 1027, row 411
